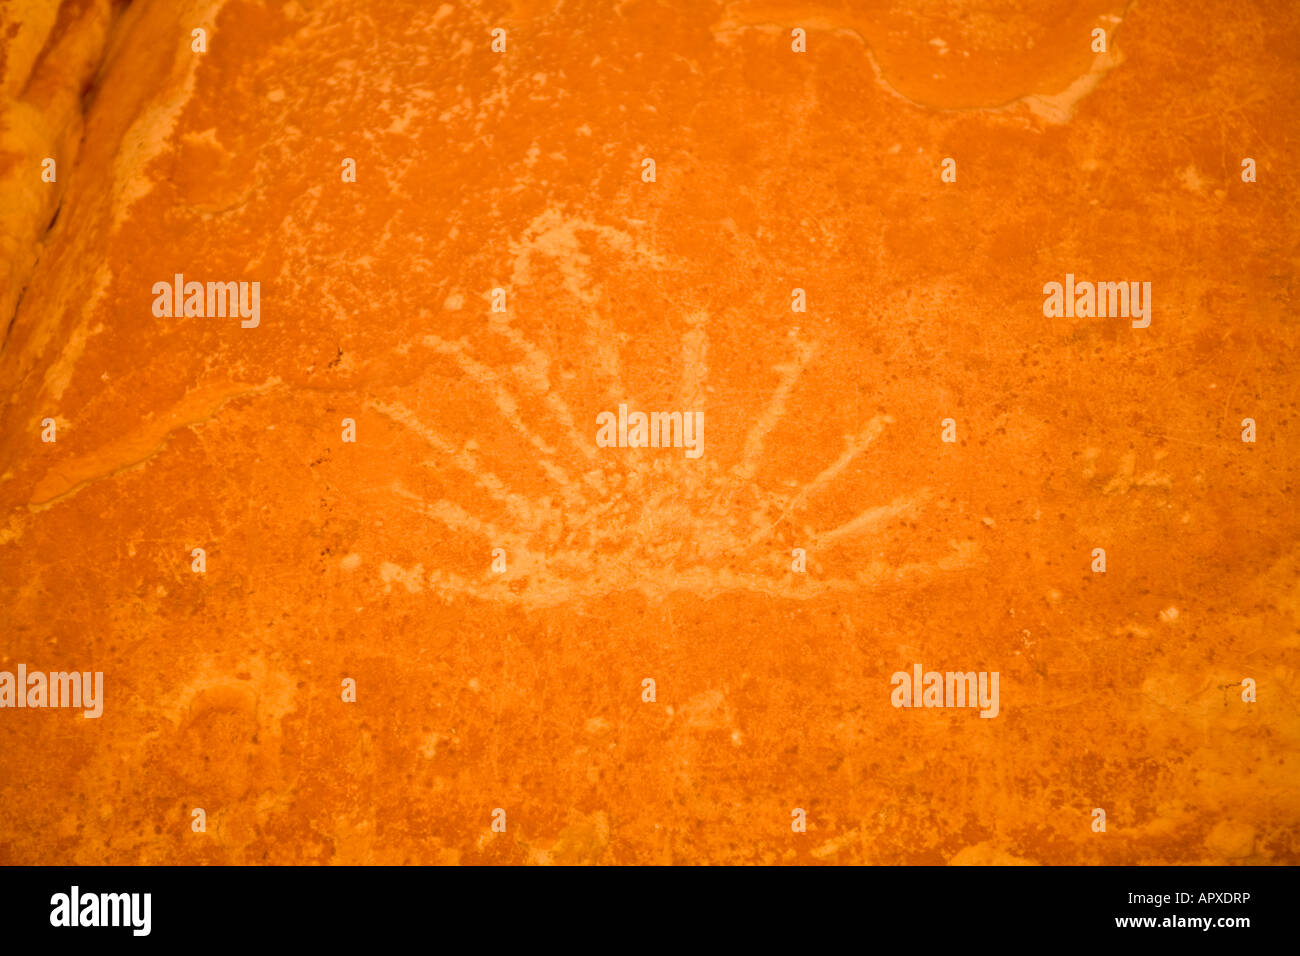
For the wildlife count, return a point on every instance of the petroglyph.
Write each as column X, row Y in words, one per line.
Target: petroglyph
column 637, row 521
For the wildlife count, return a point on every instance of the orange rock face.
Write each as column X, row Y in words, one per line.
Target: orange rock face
column 374, row 566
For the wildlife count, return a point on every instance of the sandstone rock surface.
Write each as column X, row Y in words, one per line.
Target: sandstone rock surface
column 520, row 687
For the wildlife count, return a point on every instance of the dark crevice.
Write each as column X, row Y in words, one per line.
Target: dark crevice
column 87, row 95
column 40, row 244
